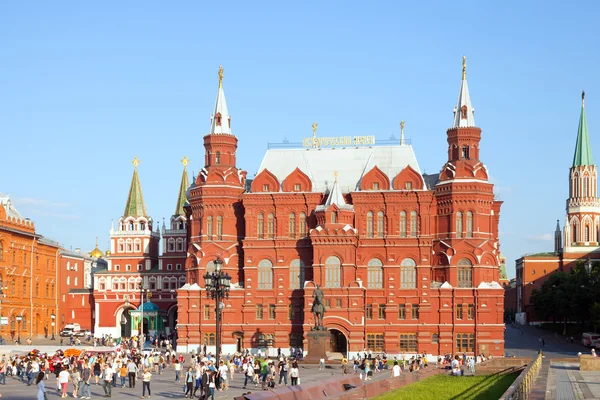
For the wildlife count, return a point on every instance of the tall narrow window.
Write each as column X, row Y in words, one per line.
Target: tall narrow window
column 402, row 311
column 415, row 311
column 370, row 224
column 265, row 274
column 587, row 233
column 334, row 217
column 219, row 227
column 413, row 223
column 296, row 274
column 302, row 225
column 260, row 226
column 292, row 226
column 271, row 226
column 469, row 224
column 209, row 227
column 218, row 157
column 380, row 222
column 369, row 312
column 1, row 251
column 403, row 224
column 375, row 274
column 586, row 185
column 459, row 311
column 271, row 311
column 465, row 273
column 459, row 224
column 574, row 230
column 333, row 268
column 381, row 311
column 291, row 313
column 408, row 274
column 577, row 194
column 470, row 311
column 259, row 311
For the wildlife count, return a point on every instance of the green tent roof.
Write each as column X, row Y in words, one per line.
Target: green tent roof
column 135, row 206
column 583, row 150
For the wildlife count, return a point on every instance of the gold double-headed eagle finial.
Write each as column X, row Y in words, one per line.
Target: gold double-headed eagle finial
column 315, row 143
column 185, row 161
column 135, row 162
column 464, row 68
column 220, row 76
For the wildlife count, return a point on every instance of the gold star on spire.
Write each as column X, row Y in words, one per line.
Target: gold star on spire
column 220, row 76
column 135, row 162
column 185, row 161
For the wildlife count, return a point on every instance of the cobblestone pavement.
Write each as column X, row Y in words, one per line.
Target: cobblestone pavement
column 163, row 386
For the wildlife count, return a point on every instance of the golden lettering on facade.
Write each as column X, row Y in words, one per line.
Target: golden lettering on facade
column 334, row 141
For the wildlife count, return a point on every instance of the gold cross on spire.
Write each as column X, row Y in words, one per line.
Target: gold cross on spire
column 220, row 76
column 464, row 68
column 135, row 162
column 185, row 161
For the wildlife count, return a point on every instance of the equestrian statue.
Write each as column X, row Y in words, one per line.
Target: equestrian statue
column 318, row 308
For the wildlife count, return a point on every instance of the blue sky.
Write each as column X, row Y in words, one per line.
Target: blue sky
column 85, row 87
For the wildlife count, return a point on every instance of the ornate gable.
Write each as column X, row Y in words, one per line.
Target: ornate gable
column 408, row 179
column 297, row 181
column 265, row 182
column 375, row 179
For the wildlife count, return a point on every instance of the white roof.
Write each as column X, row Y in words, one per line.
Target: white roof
column 9, row 208
column 464, row 100
column 351, row 163
column 220, row 107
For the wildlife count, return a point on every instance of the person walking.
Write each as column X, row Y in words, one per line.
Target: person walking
column 107, row 377
column 177, row 367
column 321, row 364
column 189, row 381
column 63, row 381
column 249, row 375
column 283, row 372
column 41, row 386
column 131, row 373
column 294, row 374
column 86, row 376
column 146, row 377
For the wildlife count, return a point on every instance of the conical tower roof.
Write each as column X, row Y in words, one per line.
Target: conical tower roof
column 220, row 121
column 181, row 198
column 464, row 114
column 583, row 150
column 135, row 206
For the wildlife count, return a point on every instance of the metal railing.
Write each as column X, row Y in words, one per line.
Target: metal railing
column 521, row 387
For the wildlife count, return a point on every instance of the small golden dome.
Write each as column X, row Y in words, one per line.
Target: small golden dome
column 107, row 253
column 96, row 252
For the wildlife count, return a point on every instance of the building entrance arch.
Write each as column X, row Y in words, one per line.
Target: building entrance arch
column 338, row 341
column 124, row 321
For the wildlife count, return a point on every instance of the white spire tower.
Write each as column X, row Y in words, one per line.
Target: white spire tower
column 220, row 122
column 464, row 113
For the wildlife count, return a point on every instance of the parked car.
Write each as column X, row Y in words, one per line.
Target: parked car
column 83, row 333
column 590, row 339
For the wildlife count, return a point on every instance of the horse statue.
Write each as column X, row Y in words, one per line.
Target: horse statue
column 318, row 308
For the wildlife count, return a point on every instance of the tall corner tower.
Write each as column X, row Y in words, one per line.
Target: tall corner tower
column 134, row 243
column 583, row 209
column 466, row 249
column 216, row 217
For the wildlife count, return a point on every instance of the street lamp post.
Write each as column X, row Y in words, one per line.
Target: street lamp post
column 217, row 288
column 19, row 319
column 53, row 316
column 142, row 338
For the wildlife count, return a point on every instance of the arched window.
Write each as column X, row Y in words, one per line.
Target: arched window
column 13, row 320
column 260, row 226
column 587, row 232
column 375, row 274
column 218, row 157
column 459, row 224
column 465, row 273
column 137, row 244
column 121, row 246
column 219, row 227
column 586, row 186
column 131, row 226
column 380, row 223
column 209, row 227
column 574, row 230
column 413, row 223
column 370, row 224
column 577, row 194
column 469, row 224
column 333, row 269
column 292, row 225
column 302, row 225
column 171, row 244
column 142, row 226
column 37, row 289
column 403, row 224
column 271, row 226
column 465, row 343
column 218, row 119
column 296, row 274
column 1, row 251
column 334, row 217
column 408, row 274
column 265, row 274
column 129, row 245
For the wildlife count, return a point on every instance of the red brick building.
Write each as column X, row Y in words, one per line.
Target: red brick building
column 581, row 232
column 135, row 271
column 408, row 262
